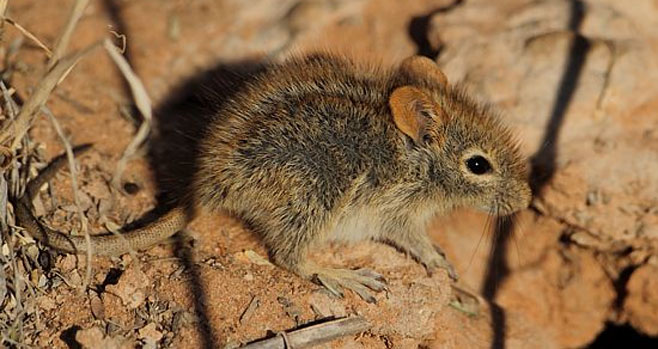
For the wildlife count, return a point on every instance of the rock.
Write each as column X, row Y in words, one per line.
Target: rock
column 95, row 338
column 325, row 306
column 641, row 305
column 250, row 256
column 67, row 262
column 559, row 294
column 527, row 57
column 456, row 330
column 570, row 295
column 131, row 287
column 149, row 333
column 587, row 68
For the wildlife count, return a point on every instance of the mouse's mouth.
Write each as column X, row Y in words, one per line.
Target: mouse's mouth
column 498, row 209
column 508, row 202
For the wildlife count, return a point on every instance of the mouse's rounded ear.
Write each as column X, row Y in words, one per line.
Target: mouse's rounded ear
column 421, row 67
column 414, row 112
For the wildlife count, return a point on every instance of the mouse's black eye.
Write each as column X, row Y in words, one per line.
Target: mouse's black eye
column 478, row 165
column 427, row 138
column 426, row 113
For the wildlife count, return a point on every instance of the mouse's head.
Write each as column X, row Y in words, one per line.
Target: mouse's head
column 460, row 149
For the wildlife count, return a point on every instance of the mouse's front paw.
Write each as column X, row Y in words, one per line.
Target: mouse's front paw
column 438, row 261
column 359, row 281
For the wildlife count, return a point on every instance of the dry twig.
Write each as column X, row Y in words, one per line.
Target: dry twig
column 13, row 133
column 76, row 197
column 58, row 68
column 143, row 103
column 3, row 6
column 40, row 95
column 29, row 35
column 314, row 335
column 3, row 10
column 64, row 38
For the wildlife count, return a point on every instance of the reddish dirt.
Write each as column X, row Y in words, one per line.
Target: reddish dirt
column 556, row 281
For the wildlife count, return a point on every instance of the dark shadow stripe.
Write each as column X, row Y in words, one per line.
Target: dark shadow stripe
column 419, row 27
column 543, row 165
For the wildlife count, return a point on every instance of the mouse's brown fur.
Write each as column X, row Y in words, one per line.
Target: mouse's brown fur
column 321, row 148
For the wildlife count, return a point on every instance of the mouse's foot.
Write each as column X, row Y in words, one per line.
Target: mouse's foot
column 360, row 281
column 420, row 247
column 466, row 300
column 438, row 261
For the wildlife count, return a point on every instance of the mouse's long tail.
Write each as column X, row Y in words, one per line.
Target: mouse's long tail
column 106, row 244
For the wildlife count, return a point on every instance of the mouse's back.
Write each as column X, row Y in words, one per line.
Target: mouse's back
column 304, row 131
column 313, row 123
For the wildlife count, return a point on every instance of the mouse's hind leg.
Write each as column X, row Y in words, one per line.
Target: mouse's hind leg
column 360, row 281
column 292, row 255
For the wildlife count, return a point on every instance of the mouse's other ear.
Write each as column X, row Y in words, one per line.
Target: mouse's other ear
column 421, row 67
column 414, row 112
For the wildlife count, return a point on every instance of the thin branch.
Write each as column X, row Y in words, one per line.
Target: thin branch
column 3, row 10
column 64, row 38
column 40, row 95
column 143, row 103
column 11, row 108
column 84, row 226
column 314, row 335
column 3, row 6
column 29, row 35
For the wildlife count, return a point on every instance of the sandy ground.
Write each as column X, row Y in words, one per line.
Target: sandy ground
column 571, row 265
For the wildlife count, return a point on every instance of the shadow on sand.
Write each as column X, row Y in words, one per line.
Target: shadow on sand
column 173, row 149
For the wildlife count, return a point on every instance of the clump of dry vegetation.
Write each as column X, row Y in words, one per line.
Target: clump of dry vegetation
column 24, row 274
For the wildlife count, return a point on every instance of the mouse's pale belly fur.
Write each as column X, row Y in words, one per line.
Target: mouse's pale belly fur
column 368, row 223
column 357, row 225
